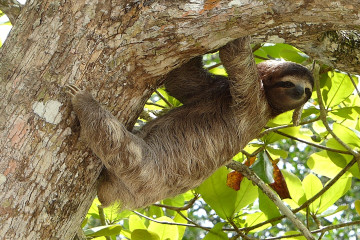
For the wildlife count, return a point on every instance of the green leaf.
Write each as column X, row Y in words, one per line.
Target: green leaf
column 216, row 233
column 321, row 163
column 357, row 206
column 347, row 112
column 264, row 169
column 177, row 201
column 335, row 192
column 276, row 153
column 295, row 187
column 164, row 231
column 294, row 233
column 346, row 135
column 224, row 200
column 312, row 185
column 218, row 71
column 141, row 234
column 341, row 88
column 83, row 224
column 330, row 212
column 135, row 222
column 254, row 219
column 217, row 194
column 247, row 194
column 108, row 230
column 179, row 219
column 341, row 160
column 267, row 206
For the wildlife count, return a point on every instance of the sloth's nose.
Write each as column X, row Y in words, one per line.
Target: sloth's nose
column 297, row 92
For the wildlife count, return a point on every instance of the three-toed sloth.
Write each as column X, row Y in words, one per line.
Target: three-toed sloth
column 179, row 150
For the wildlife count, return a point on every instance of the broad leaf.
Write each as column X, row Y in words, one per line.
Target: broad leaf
column 216, row 233
column 164, row 231
column 321, row 163
column 335, row 192
column 312, row 185
column 141, row 234
column 108, row 230
column 135, row 222
column 263, row 168
column 295, row 187
column 267, row 206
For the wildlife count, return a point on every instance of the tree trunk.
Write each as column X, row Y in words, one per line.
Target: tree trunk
column 119, row 51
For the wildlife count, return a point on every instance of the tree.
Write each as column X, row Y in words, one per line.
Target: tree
column 120, row 50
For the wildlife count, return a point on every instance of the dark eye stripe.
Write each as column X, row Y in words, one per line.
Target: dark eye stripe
column 286, row 84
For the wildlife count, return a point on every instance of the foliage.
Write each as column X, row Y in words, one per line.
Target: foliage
column 222, row 213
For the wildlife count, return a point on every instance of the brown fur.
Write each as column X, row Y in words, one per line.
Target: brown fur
column 179, row 150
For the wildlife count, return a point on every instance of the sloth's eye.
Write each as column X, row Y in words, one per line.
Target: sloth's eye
column 286, row 84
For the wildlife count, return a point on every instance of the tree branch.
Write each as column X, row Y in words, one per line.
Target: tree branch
column 321, row 230
column 11, row 8
column 308, row 202
column 269, row 192
column 313, row 144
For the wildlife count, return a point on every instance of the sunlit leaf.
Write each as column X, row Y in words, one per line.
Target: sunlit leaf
column 312, row 185
column 346, row 135
column 289, row 233
column 357, row 206
column 321, row 163
column 295, row 187
column 218, row 71
column 164, row 231
column 267, row 206
column 254, row 219
column 341, row 88
column 330, row 212
column 247, row 194
column 216, row 233
column 108, row 230
column 224, row 200
column 141, row 234
column 135, row 222
column 219, row 196
column 275, row 153
column 179, row 219
column 336, row 191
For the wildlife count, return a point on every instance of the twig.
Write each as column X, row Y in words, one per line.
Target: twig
column 155, row 104
column 163, row 98
column 353, row 82
column 267, row 190
column 321, row 230
column 11, row 8
column 330, row 183
column 214, row 66
column 313, row 144
column 308, row 202
column 191, row 221
column 268, row 130
column 323, row 116
column 102, row 219
column 239, row 232
column 186, row 207
column 164, row 222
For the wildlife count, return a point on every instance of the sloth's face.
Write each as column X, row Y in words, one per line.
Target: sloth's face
column 287, row 85
column 288, row 93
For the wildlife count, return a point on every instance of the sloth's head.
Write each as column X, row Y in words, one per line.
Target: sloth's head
column 287, row 85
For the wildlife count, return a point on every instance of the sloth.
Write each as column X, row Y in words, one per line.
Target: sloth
column 179, row 150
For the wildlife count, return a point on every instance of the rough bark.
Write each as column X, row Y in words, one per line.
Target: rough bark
column 119, row 51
